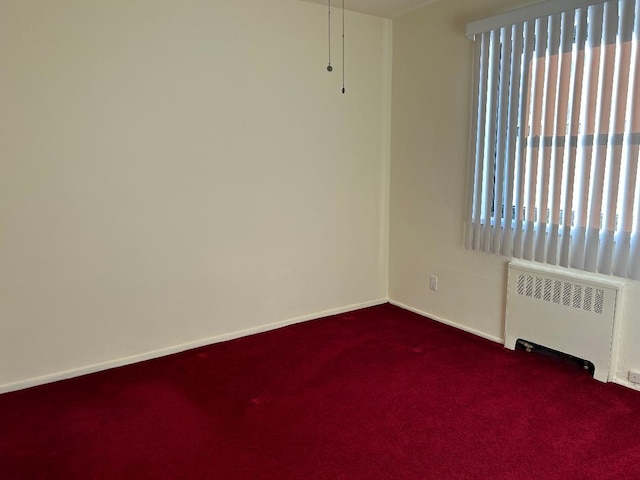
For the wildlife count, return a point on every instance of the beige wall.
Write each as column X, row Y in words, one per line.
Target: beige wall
column 172, row 173
column 430, row 127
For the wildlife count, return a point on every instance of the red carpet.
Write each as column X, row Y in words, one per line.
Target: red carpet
column 379, row 393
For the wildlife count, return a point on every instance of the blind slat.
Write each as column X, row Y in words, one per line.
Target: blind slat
column 473, row 181
column 588, row 119
column 597, row 200
column 629, row 161
column 501, row 134
column 631, row 155
column 512, row 136
column 559, row 133
column 519, row 192
column 490, row 147
column 479, row 148
column 613, row 172
column 547, row 128
column 536, row 101
column 574, row 114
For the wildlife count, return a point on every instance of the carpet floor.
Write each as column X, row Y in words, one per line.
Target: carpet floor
column 379, row 393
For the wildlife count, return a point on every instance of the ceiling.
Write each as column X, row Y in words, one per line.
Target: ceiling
column 379, row 8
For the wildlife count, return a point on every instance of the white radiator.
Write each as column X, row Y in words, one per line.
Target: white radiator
column 570, row 312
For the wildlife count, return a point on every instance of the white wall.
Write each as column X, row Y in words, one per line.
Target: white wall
column 430, row 126
column 172, row 172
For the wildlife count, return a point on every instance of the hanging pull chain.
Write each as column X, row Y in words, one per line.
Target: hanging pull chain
column 343, row 62
column 329, row 67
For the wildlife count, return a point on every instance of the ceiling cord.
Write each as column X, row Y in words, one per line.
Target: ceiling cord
column 329, row 67
column 343, row 62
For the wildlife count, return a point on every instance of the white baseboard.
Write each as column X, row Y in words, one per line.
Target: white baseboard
column 615, row 379
column 77, row 372
column 448, row 322
column 625, row 382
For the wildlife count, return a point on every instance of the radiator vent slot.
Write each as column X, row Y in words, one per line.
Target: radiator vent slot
column 567, row 311
column 575, row 295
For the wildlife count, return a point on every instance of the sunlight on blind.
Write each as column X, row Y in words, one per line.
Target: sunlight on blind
column 556, row 139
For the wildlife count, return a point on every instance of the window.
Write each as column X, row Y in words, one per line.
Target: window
column 556, row 136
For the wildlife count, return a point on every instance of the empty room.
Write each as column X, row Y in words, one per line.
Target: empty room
column 319, row 239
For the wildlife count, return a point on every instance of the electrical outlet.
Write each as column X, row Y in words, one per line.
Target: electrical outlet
column 433, row 283
column 634, row 377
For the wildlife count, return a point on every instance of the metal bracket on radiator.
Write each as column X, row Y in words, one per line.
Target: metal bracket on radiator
column 530, row 347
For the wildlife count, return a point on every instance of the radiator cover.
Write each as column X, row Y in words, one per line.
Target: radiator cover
column 571, row 312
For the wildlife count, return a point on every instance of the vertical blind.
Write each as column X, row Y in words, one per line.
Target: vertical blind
column 555, row 140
